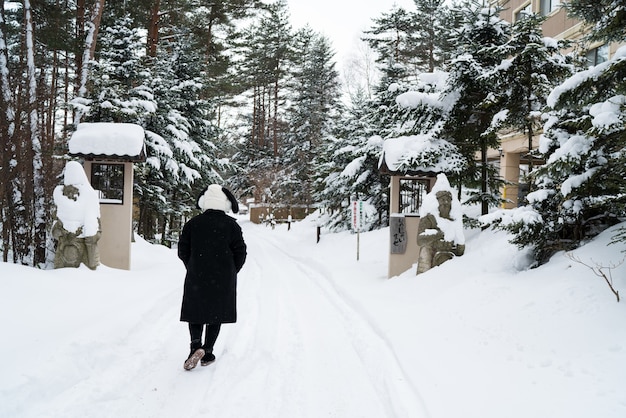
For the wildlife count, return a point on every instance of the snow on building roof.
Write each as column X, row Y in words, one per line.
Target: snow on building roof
column 119, row 141
column 419, row 155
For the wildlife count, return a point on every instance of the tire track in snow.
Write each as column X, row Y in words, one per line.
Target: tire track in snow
column 299, row 350
column 138, row 362
column 376, row 354
column 253, row 375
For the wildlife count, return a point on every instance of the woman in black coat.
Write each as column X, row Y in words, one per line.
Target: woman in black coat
column 213, row 250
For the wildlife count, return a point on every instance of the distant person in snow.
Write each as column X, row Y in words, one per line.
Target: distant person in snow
column 213, row 250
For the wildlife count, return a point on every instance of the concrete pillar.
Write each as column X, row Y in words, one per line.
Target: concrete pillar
column 116, row 221
column 401, row 262
column 509, row 171
column 394, row 194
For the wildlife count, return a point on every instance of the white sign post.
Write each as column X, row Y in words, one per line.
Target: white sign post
column 357, row 216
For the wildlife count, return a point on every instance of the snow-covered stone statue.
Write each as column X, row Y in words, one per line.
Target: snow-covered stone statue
column 77, row 227
column 440, row 231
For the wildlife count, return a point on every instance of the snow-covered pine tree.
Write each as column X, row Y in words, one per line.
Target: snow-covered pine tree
column 195, row 79
column 432, row 21
column 266, row 48
column 607, row 18
column 119, row 90
column 430, row 47
column 314, row 104
column 27, row 140
column 533, row 67
column 182, row 156
column 468, row 123
column 349, row 165
column 580, row 190
column 406, row 43
column 391, row 36
column 348, row 169
column 38, row 42
column 213, row 33
column 16, row 207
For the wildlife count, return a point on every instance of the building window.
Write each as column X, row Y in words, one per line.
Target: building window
column 108, row 181
column 523, row 12
column 598, row 55
column 412, row 192
column 549, row 6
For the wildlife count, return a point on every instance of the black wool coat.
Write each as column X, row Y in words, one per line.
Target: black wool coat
column 213, row 250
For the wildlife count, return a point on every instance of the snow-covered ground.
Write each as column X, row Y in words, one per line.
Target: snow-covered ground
column 321, row 334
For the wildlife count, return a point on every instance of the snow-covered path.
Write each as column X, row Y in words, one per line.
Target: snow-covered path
column 298, row 349
column 303, row 346
column 321, row 334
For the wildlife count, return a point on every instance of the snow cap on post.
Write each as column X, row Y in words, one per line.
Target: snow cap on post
column 108, row 141
column 218, row 198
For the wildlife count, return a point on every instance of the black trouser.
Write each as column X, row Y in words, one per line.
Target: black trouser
column 210, row 335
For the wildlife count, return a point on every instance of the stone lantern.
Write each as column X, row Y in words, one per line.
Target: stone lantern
column 109, row 151
column 413, row 162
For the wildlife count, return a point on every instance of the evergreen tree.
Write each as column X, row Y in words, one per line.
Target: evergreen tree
column 391, row 38
column 267, row 56
column 468, row 123
column 182, row 156
column 315, row 100
column 607, row 17
column 580, row 191
column 384, row 114
column 406, row 44
column 349, row 171
column 213, row 33
column 29, row 96
column 46, row 51
column 524, row 80
column 429, row 42
column 119, row 90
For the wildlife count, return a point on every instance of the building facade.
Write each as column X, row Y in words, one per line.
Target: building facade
column 513, row 154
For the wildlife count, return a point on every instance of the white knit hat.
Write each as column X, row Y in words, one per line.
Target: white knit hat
column 218, row 198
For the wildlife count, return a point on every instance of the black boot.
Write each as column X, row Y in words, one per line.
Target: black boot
column 210, row 336
column 208, row 357
column 195, row 354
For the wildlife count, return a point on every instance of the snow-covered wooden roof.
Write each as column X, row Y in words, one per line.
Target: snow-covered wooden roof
column 110, row 141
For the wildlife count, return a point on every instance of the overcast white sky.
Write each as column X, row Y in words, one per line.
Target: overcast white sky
column 341, row 20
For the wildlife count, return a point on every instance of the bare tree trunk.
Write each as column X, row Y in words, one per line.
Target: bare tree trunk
column 164, row 230
column 51, row 107
column 93, row 26
column 483, row 170
column 275, row 120
column 38, row 193
column 80, row 34
column 153, row 28
column 19, row 179
column 66, row 94
column 254, row 114
column 529, row 127
column 209, row 32
column 96, row 17
column 262, row 116
column 7, row 128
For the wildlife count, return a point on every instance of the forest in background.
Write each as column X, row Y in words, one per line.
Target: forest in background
column 228, row 92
